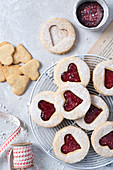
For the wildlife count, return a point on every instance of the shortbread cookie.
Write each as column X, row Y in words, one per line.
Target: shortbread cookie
column 103, row 78
column 43, row 111
column 71, row 144
column 30, row 69
column 58, row 35
column 21, row 55
column 96, row 115
column 3, row 43
column 72, row 101
column 18, row 83
column 71, row 69
column 102, row 139
column 6, row 52
column 2, row 76
column 10, row 70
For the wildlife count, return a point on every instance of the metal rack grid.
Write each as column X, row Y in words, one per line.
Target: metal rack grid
column 45, row 136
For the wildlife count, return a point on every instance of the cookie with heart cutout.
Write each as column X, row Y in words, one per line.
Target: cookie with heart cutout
column 71, row 144
column 72, row 101
column 43, row 111
column 71, row 69
column 102, row 139
column 30, row 69
column 97, row 114
column 103, row 78
column 58, row 36
column 18, row 83
column 6, row 52
column 21, row 55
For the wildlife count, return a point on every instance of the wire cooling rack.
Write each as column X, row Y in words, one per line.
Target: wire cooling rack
column 45, row 136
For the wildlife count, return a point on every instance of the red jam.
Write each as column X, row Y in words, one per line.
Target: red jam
column 47, row 109
column 70, row 144
column 90, row 14
column 108, row 79
column 71, row 74
column 92, row 114
column 107, row 140
column 72, row 101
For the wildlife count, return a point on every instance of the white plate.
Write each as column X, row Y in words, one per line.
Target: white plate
column 45, row 136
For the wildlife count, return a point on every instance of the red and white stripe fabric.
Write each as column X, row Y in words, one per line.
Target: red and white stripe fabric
column 13, row 136
column 22, row 156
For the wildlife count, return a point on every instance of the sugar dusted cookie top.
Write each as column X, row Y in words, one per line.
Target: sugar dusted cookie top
column 58, row 35
column 102, row 139
column 103, row 78
column 72, row 101
column 43, row 111
column 71, row 144
column 71, row 69
column 96, row 115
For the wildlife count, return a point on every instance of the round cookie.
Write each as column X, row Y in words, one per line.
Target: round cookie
column 58, row 35
column 102, row 139
column 72, row 101
column 71, row 144
column 96, row 115
column 103, row 78
column 71, row 69
column 43, row 112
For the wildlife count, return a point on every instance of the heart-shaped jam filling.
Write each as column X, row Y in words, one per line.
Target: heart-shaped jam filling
column 71, row 74
column 47, row 109
column 90, row 14
column 108, row 79
column 107, row 140
column 71, row 101
column 70, row 144
column 92, row 114
column 57, row 35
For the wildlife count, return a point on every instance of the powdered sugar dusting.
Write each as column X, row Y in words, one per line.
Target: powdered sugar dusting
column 58, row 35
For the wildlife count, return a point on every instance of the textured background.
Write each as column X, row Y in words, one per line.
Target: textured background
column 21, row 22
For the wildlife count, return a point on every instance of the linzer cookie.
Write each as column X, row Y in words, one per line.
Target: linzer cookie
column 103, row 78
column 71, row 69
column 58, row 35
column 72, row 101
column 71, row 144
column 96, row 115
column 30, row 69
column 6, row 52
column 43, row 111
column 21, row 55
column 102, row 139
